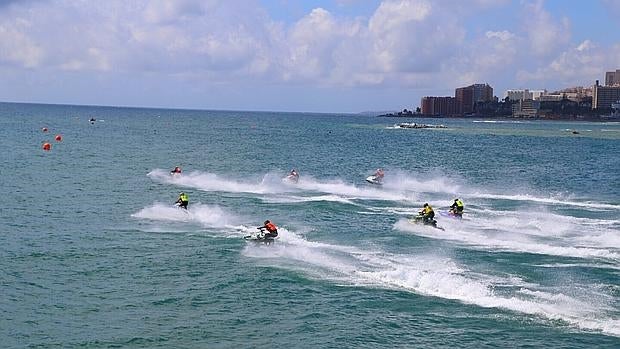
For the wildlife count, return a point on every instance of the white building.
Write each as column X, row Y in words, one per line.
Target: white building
column 536, row 94
column 525, row 108
column 519, row 95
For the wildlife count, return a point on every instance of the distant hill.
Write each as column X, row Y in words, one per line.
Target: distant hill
column 375, row 113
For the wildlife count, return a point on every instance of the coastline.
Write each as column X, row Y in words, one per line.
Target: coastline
column 502, row 118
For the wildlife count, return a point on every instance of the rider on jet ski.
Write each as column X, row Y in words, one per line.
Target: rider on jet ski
column 379, row 175
column 272, row 230
column 457, row 208
column 293, row 176
column 427, row 214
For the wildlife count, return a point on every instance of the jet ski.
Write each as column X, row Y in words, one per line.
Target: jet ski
column 451, row 214
column 291, row 178
column 374, row 180
column 259, row 237
column 420, row 220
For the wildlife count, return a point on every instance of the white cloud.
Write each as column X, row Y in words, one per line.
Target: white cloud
column 503, row 35
column 17, row 48
column 165, row 11
column 392, row 14
column 585, row 45
column 579, row 65
column 545, row 33
column 402, row 41
column 406, row 43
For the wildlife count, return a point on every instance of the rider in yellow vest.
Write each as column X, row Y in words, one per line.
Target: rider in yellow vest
column 183, row 200
column 457, row 207
column 427, row 213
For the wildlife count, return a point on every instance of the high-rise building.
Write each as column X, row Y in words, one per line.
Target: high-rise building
column 612, row 78
column 604, row 96
column 438, row 106
column 467, row 97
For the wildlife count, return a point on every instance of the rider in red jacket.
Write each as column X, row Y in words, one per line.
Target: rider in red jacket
column 272, row 230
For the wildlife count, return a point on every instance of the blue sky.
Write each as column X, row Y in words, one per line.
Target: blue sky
column 294, row 55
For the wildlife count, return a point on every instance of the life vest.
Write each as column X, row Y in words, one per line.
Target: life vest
column 184, row 197
column 428, row 209
column 271, row 227
column 459, row 204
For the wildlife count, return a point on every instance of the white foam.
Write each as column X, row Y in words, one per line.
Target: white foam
column 504, row 241
column 398, row 187
column 437, row 276
column 549, row 200
column 206, row 215
column 350, row 191
column 212, row 182
column 435, row 183
column 578, row 265
column 300, row 199
column 541, row 224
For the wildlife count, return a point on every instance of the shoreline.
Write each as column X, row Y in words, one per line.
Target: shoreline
column 500, row 118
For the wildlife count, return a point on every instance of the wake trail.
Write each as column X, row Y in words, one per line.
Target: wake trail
column 436, row 276
column 528, row 240
column 425, row 274
column 210, row 217
column 400, row 186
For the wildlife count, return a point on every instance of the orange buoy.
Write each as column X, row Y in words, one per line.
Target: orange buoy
column 58, row 138
column 47, row 146
column 44, row 129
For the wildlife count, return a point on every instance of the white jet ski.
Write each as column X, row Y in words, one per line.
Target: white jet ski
column 259, row 237
column 374, row 180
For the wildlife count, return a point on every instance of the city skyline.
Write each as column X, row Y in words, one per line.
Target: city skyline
column 315, row 56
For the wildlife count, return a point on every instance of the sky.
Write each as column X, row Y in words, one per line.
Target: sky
column 342, row 56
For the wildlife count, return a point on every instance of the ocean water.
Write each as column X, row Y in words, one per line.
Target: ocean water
column 94, row 255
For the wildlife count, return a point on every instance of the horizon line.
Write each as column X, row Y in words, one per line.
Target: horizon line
column 186, row 108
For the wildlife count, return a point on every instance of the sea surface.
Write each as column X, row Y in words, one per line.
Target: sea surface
column 93, row 253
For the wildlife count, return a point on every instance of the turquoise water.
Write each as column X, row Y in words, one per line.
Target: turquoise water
column 93, row 253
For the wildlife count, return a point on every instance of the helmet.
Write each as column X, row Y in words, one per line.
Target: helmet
column 456, row 199
column 267, row 221
column 425, row 204
column 181, row 193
